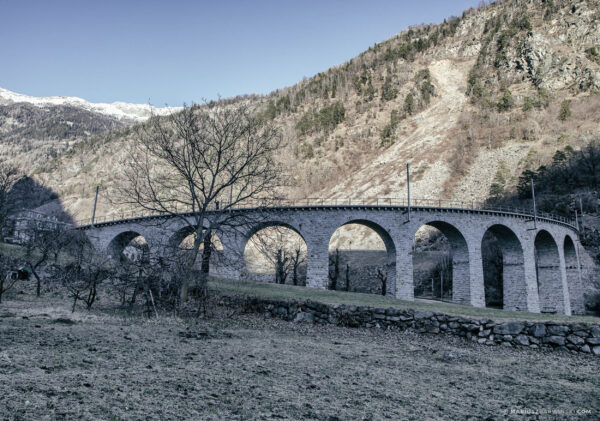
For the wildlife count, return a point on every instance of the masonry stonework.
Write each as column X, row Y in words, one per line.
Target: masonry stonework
column 540, row 260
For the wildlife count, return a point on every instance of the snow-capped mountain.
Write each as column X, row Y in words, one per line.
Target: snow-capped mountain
column 121, row 110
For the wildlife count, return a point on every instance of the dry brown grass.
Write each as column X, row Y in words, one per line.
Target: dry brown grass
column 245, row 367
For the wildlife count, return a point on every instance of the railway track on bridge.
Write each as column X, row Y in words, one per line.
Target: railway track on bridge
column 383, row 204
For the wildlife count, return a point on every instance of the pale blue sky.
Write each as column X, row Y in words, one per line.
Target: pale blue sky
column 170, row 52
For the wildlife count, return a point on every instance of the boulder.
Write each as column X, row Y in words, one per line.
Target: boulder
column 485, row 332
column 557, row 330
column 555, row 340
column 471, row 327
column 281, row 311
column 575, row 340
column 304, row 317
column 423, row 314
column 522, row 340
column 538, row 330
column 509, row 328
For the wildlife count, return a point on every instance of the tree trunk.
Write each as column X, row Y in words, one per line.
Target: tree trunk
column 336, row 270
column 39, row 283
column 75, row 297
column 185, row 286
column 206, row 253
column 347, row 277
column 295, row 274
column 91, row 296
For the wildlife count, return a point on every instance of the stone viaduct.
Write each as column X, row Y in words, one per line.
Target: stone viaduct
column 541, row 271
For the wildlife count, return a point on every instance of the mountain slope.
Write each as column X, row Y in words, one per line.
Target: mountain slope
column 474, row 100
column 35, row 130
column 31, row 135
column 120, row 110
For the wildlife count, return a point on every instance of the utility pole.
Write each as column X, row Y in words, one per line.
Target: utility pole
column 231, row 190
column 95, row 203
column 408, row 189
column 581, row 208
column 534, row 207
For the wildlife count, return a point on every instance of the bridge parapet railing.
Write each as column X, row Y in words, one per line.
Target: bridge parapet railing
column 342, row 202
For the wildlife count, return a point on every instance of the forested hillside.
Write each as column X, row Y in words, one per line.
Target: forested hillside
column 471, row 103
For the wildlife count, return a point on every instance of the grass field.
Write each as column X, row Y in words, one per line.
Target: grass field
column 288, row 292
column 233, row 366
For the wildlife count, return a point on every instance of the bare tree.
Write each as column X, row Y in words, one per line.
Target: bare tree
column 84, row 274
column 334, row 269
column 283, row 250
column 9, row 175
column 9, row 274
column 44, row 245
column 347, row 277
column 196, row 158
column 297, row 258
column 382, row 276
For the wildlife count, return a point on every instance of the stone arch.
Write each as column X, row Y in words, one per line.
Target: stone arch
column 207, row 258
column 294, row 274
column 181, row 234
column 178, row 236
column 119, row 243
column 514, row 287
column 459, row 251
column 390, row 249
column 267, row 224
column 549, row 280
column 573, row 273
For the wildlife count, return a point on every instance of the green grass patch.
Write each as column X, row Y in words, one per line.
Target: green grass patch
column 12, row 250
column 289, row 292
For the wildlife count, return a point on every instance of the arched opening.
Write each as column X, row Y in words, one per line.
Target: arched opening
column 210, row 253
column 276, row 253
column 441, row 263
column 573, row 276
column 503, row 269
column 129, row 246
column 548, row 273
column 362, row 258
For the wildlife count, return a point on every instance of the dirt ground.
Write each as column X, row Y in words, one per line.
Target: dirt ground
column 102, row 365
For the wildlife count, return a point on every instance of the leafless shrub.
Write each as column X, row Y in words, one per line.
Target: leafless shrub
column 9, row 175
column 43, row 246
column 9, row 273
column 84, row 273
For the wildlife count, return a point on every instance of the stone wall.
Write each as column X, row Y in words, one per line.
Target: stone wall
column 578, row 337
